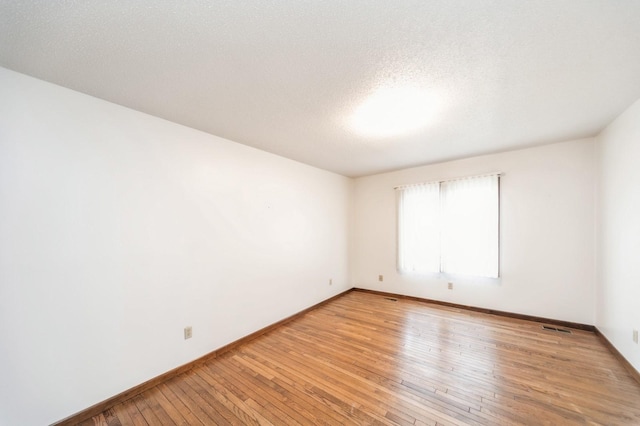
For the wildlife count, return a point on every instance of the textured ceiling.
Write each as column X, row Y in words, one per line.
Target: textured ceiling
column 288, row 76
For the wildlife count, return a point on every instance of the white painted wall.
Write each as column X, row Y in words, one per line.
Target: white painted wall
column 117, row 229
column 547, row 233
column 618, row 286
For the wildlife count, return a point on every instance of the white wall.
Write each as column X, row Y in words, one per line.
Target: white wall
column 117, row 229
column 618, row 287
column 547, row 233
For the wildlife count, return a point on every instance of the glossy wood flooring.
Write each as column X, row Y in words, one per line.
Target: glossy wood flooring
column 365, row 359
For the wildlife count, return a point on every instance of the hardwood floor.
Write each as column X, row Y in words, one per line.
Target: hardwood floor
column 366, row 359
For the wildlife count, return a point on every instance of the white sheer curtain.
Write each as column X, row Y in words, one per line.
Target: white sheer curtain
column 419, row 228
column 450, row 227
column 470, row 222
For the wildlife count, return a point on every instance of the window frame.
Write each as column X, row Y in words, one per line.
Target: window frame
column 441, row 272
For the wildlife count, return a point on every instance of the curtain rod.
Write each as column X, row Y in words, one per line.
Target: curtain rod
column 450, row 180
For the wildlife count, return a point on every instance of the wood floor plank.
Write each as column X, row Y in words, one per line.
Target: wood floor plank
column 173, row 415
column 202, row 396
column 203, row 412
column 243, row 383
column 152, row 416
column 98, row 420
column 121, row 413
column 246, row 415
column 137, row 419
column 317, row 407
column 111, row 418
column 170, row 395
column 307, row 378
column 365, row 359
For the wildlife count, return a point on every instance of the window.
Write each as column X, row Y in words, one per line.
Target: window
column 450, row 227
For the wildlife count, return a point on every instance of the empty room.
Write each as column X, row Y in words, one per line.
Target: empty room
column 319, row 212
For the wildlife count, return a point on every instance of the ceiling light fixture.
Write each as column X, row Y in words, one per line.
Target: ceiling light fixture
column 393, row 111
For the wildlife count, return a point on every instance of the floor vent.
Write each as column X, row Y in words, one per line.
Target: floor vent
column 392, row 299
column 560, row 330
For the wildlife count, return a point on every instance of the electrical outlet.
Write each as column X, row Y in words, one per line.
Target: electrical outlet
column 635, row 336
column 450, row 286
column 380, row 278
column 330, row 281
column 188, row 332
